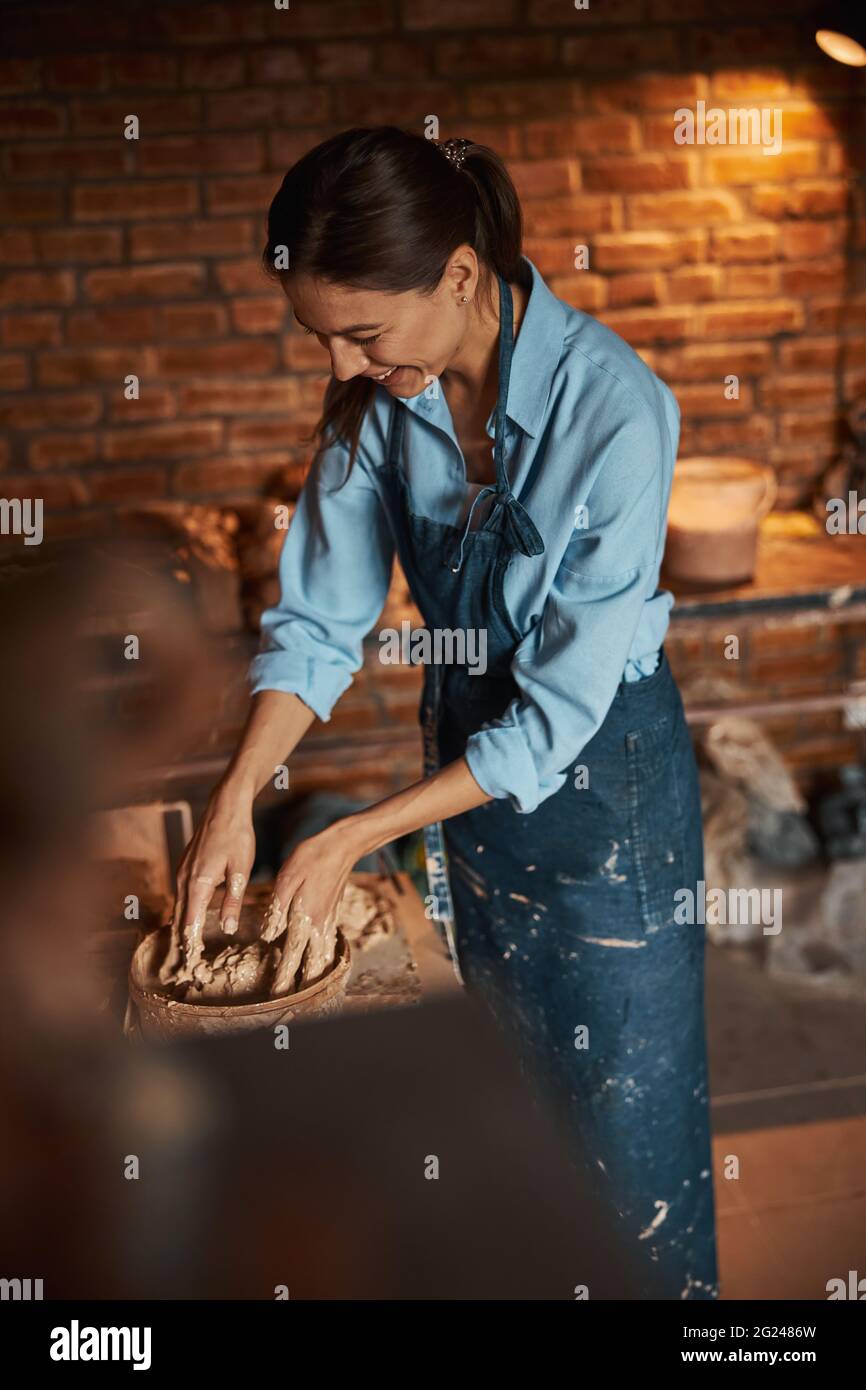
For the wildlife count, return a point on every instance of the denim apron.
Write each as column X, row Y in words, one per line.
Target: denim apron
column 562, row 921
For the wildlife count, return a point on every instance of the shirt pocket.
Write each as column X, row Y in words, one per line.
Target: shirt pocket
column 656, row 819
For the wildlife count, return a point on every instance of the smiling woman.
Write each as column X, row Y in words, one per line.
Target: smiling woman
column 343, row 260
column 517, row 457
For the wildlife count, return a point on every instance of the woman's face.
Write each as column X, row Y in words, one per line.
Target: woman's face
column 368, row 333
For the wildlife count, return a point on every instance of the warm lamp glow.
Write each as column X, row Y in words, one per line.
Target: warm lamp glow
column 841, row 47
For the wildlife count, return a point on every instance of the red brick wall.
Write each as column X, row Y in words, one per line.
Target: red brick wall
column 141, row 257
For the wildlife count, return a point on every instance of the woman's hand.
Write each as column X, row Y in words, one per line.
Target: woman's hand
column 221, row 851
column 307, row 893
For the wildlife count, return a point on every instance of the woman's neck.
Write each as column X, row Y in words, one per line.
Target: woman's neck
column 473, row 372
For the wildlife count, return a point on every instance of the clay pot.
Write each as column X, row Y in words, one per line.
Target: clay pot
column 715, row 510
column 153, row 1014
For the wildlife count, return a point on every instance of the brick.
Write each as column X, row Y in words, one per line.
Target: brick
column 271, row 66
column 257, row 108
column 364, row 104
column 157, row 115
column 17, row 247
column 211, row 24
column 18, row 76
column 666, row 210
column 304, row 354
column 332, row 61
column 743, row 166
column 753, row 282
column 37, row 287
column 481, row 54
column 163, row 441
column 347, row 17
column 231, row 397
column 745, row 242
column 31, row 330
column 267, row 433
column 835, row 314
column 38, row 411
column 827, row 198
column 138, row 200
column 96, row 327
column 648, row 325
column 642, row 173
column 248, row 193
column 14, row 372
column 82, row 244
column 544, row 178
column 224, row 474
column 403, row 57
column 806, row 354
column 719, row 436
column 144, row 282
column 286, row 147
column 735, row 86
column 705, row 400
column 143, row 70
column 128, row 484
column 200, row 237
column 55, row 492
column 798, row 392
column 32, row 119
column 227, row 153
column 78, row 159
column 83, row 72
column 243, row 277
column 460, row 14
column 62, row 451
column 806, row 121
column 647, row 91
column 625, row 51
column 577, row 216
column 714, row 361
column 582, row 291
column 809, row 428
column 213, row 70
column 529, row 102
column 640, row 287
column 74, row 368
column 551, row 14
column 692, row 283
column 260, row 315
column 809, row 278
column 246, row 358
column 802, row 239
column 765, row 45
column 647, row 250
column 192, row 321
column 20, row 203
column 154, row 403
column 745, row 320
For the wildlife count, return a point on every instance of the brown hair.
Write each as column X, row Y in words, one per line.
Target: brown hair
column 383, row 209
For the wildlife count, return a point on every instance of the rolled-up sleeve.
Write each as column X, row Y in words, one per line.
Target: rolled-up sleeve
column 570, row 663
column 335, row 570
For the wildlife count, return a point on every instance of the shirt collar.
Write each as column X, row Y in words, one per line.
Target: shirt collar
column 537, row 351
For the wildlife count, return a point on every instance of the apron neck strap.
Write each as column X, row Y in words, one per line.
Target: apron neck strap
column 506, row 352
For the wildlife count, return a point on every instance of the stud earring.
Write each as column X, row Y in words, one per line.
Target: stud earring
column 464, row 300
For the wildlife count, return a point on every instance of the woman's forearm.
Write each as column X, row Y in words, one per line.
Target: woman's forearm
column 276, row 723
column 447, row 793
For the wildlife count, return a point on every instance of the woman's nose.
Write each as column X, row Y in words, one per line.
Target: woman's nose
column 347, row 360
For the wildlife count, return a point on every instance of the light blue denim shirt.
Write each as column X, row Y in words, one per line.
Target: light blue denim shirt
column 591, row 440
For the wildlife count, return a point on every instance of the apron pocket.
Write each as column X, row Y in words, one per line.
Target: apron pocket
column 655, row 815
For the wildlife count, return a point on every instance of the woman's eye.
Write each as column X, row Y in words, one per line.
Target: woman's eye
column 365, row 342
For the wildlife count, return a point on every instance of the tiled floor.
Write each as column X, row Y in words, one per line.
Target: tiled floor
column 788, row 1070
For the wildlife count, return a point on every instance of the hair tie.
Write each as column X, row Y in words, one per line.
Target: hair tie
column 454, row 149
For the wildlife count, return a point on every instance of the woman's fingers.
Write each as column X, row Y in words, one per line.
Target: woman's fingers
column 199, row 894
column 298, row 929
column 230, row 913
column 320, row 950
column 174, row 955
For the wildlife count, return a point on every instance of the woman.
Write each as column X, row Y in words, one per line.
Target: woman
column 560, row 799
